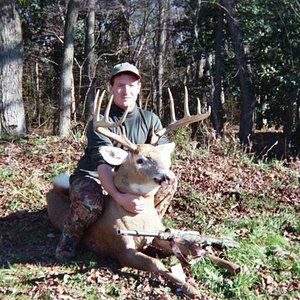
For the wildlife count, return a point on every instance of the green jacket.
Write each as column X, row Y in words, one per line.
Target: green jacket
column 138, row 125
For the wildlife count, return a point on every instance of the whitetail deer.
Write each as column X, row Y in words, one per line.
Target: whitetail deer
column 152, row 164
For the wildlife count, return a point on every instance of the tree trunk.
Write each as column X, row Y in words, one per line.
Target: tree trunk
column 12, row 114
column 297, row 131
column 67, row 69
column 89, row 64
column 126, row 6
column 37, row 94
column 161, row 47
column 217, row 114
column 246, row 119
column 290, row 119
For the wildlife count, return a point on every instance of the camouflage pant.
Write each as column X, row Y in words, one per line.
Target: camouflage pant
column 87, row 204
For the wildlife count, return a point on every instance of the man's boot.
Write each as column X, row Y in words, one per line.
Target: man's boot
column 66, row 248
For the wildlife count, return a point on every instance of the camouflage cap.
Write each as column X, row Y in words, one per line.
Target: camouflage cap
column 125, row 67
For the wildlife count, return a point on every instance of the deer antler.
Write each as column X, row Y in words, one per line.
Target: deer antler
column 100, row 124
column 187, row 119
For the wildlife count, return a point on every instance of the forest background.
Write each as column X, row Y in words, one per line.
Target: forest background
column 239, row 57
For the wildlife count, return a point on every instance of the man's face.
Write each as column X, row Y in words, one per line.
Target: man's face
column 125, row 90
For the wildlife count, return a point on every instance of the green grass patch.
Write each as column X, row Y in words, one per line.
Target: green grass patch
column 264, row 247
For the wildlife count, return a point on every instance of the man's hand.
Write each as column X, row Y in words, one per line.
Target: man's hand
column 134, row 203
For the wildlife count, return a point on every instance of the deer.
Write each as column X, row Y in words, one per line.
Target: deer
column 102, row 236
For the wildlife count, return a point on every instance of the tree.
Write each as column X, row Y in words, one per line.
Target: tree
column 89, row 64
column 66, row 83
column 246, row 119
column 12, row 114
column 160, row 52
column 217, row 115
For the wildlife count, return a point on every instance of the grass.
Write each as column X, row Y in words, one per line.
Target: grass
column 222, row 192
column 263, row 248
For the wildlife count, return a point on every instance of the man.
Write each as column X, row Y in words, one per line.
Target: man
column 86, row 192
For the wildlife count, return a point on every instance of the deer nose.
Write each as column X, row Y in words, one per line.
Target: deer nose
column 165, row 179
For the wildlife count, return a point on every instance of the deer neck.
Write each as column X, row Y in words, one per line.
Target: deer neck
column 129, row 182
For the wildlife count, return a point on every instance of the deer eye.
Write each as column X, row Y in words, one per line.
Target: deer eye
column 140, row 161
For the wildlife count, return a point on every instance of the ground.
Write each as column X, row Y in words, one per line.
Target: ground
column 219, row 186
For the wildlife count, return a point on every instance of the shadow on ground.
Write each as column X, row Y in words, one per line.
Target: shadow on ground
column 29, row 237
column 268, row 144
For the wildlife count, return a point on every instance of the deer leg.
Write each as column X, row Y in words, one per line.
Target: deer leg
column 231, row 267
column 58, row 205
column 135, row 259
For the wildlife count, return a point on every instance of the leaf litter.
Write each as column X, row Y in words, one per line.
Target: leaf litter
column 224, row 188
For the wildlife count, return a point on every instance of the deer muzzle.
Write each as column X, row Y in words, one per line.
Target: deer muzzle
column 166, row 178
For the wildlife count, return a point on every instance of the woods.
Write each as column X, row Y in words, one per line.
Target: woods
column 240, row 58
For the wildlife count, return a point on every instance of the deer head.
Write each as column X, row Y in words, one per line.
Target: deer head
column 144, row 167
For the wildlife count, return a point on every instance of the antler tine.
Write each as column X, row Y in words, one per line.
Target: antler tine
column 187, row 119
column 97, row 105
column 186, row 103
column 172, row 109
column 198, row 106
column 101, row 124
column 106, row 113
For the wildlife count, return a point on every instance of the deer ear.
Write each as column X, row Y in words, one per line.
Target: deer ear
column 112, row 155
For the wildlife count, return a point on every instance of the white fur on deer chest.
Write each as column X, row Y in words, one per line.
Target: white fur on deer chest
column 143, row 188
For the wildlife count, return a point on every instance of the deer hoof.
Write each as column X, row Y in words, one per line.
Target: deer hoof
column 190, row 291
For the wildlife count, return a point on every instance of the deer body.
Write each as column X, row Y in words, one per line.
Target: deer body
column 141, row 170
column 102, row 236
